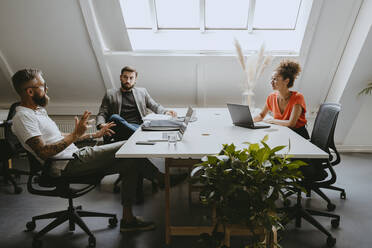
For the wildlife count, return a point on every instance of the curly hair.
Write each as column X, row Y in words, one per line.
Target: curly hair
column 289, row 69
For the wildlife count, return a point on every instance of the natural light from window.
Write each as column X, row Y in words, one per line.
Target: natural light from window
column 210, row 26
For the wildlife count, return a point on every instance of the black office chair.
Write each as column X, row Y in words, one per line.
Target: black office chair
column 316, row 174
column 323, row 137
column 10, row 147
column 61, row 187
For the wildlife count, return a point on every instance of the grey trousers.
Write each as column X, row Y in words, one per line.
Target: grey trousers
column 101, row 159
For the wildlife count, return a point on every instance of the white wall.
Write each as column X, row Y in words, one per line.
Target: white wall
column 51, row 35
column 357, row 109
column 353, row 73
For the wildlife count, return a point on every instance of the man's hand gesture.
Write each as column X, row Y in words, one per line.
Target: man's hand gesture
column 81, row 125
column 105, row 129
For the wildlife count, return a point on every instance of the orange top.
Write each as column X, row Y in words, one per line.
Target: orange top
column 296, row 98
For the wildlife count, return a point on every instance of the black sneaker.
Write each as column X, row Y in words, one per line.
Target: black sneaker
column 173, row 180
column 136, row 225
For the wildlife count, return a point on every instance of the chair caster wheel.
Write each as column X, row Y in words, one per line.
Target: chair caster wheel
column 331, row 241
column 30, row 226
column 335, row 223
column 92, row 242
column 37, row 243
column 331, row 207
column 18, row 190
column 113, row 222
column 116, row 189
column 71, row 227
column 343, row 195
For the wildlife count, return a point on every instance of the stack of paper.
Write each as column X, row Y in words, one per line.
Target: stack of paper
column 153, row 117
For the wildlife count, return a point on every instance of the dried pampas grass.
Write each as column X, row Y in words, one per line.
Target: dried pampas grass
column 253, row 66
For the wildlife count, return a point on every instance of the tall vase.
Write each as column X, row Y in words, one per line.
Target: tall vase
column 248, row 98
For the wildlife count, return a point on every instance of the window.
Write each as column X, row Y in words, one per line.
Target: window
column 212, row 25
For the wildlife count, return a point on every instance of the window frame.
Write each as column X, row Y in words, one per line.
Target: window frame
column 204, row 30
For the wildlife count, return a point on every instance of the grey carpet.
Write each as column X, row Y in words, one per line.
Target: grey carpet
column 354, row 174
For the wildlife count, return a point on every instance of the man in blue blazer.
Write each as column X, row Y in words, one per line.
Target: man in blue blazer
column 127, row 106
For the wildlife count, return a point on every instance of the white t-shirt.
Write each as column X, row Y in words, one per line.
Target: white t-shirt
column 28, row 123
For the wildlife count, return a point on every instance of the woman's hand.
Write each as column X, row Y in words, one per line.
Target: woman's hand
column 105, row 130
column 172, row 113
column 270, row 121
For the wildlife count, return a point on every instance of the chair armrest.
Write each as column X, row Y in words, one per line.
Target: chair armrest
column 61, row 158
column 6, row 123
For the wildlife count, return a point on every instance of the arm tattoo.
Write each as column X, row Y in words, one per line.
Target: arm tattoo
column 46, row 151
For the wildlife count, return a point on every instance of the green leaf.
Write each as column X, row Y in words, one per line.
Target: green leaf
column 212, row 159
column 265, row 138
column 230, row 149
column 277, row 148
column 265, row 145
column 295, row 164
column 254, row 147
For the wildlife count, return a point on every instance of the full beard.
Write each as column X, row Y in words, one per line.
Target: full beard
column 127, row 86
column 41, row 100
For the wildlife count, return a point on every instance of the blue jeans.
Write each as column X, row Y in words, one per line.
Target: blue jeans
column 123, row 129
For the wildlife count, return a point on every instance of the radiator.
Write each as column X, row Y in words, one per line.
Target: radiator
column 65, row 126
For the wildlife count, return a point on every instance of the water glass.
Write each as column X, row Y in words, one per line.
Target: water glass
column 172, row 138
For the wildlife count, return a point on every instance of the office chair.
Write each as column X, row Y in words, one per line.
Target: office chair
column 10, row 147
column 61, row 187
column 323, row 137
column 315, row 174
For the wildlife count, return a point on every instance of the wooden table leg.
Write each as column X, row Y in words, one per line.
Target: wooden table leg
column 167, row 203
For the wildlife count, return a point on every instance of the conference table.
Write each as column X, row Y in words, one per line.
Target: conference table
column 205, row 136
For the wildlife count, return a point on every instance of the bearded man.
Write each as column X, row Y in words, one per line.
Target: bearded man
column 127, row 106
column 40, row 136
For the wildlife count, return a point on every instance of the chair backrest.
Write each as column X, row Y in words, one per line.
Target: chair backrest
column 324, row 126
column 13, row 141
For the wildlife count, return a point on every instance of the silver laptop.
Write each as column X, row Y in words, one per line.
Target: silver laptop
column 163, row 136
column 241, row 116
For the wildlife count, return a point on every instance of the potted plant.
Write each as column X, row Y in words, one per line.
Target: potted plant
column 244, row 186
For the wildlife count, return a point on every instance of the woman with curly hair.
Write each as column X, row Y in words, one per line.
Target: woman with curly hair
column 288, row 107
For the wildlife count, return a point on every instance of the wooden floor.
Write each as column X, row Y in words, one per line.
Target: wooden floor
column 354, row 174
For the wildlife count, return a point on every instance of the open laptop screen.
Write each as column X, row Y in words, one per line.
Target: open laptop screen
column 241, row 116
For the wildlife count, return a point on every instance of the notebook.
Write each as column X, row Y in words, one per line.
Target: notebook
column 168, row 125
column 241, row 116
column 163, row 136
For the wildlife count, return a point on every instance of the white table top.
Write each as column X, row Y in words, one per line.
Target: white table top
column 212, row 129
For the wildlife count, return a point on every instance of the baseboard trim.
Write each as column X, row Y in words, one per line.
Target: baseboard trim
column 354, row 148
